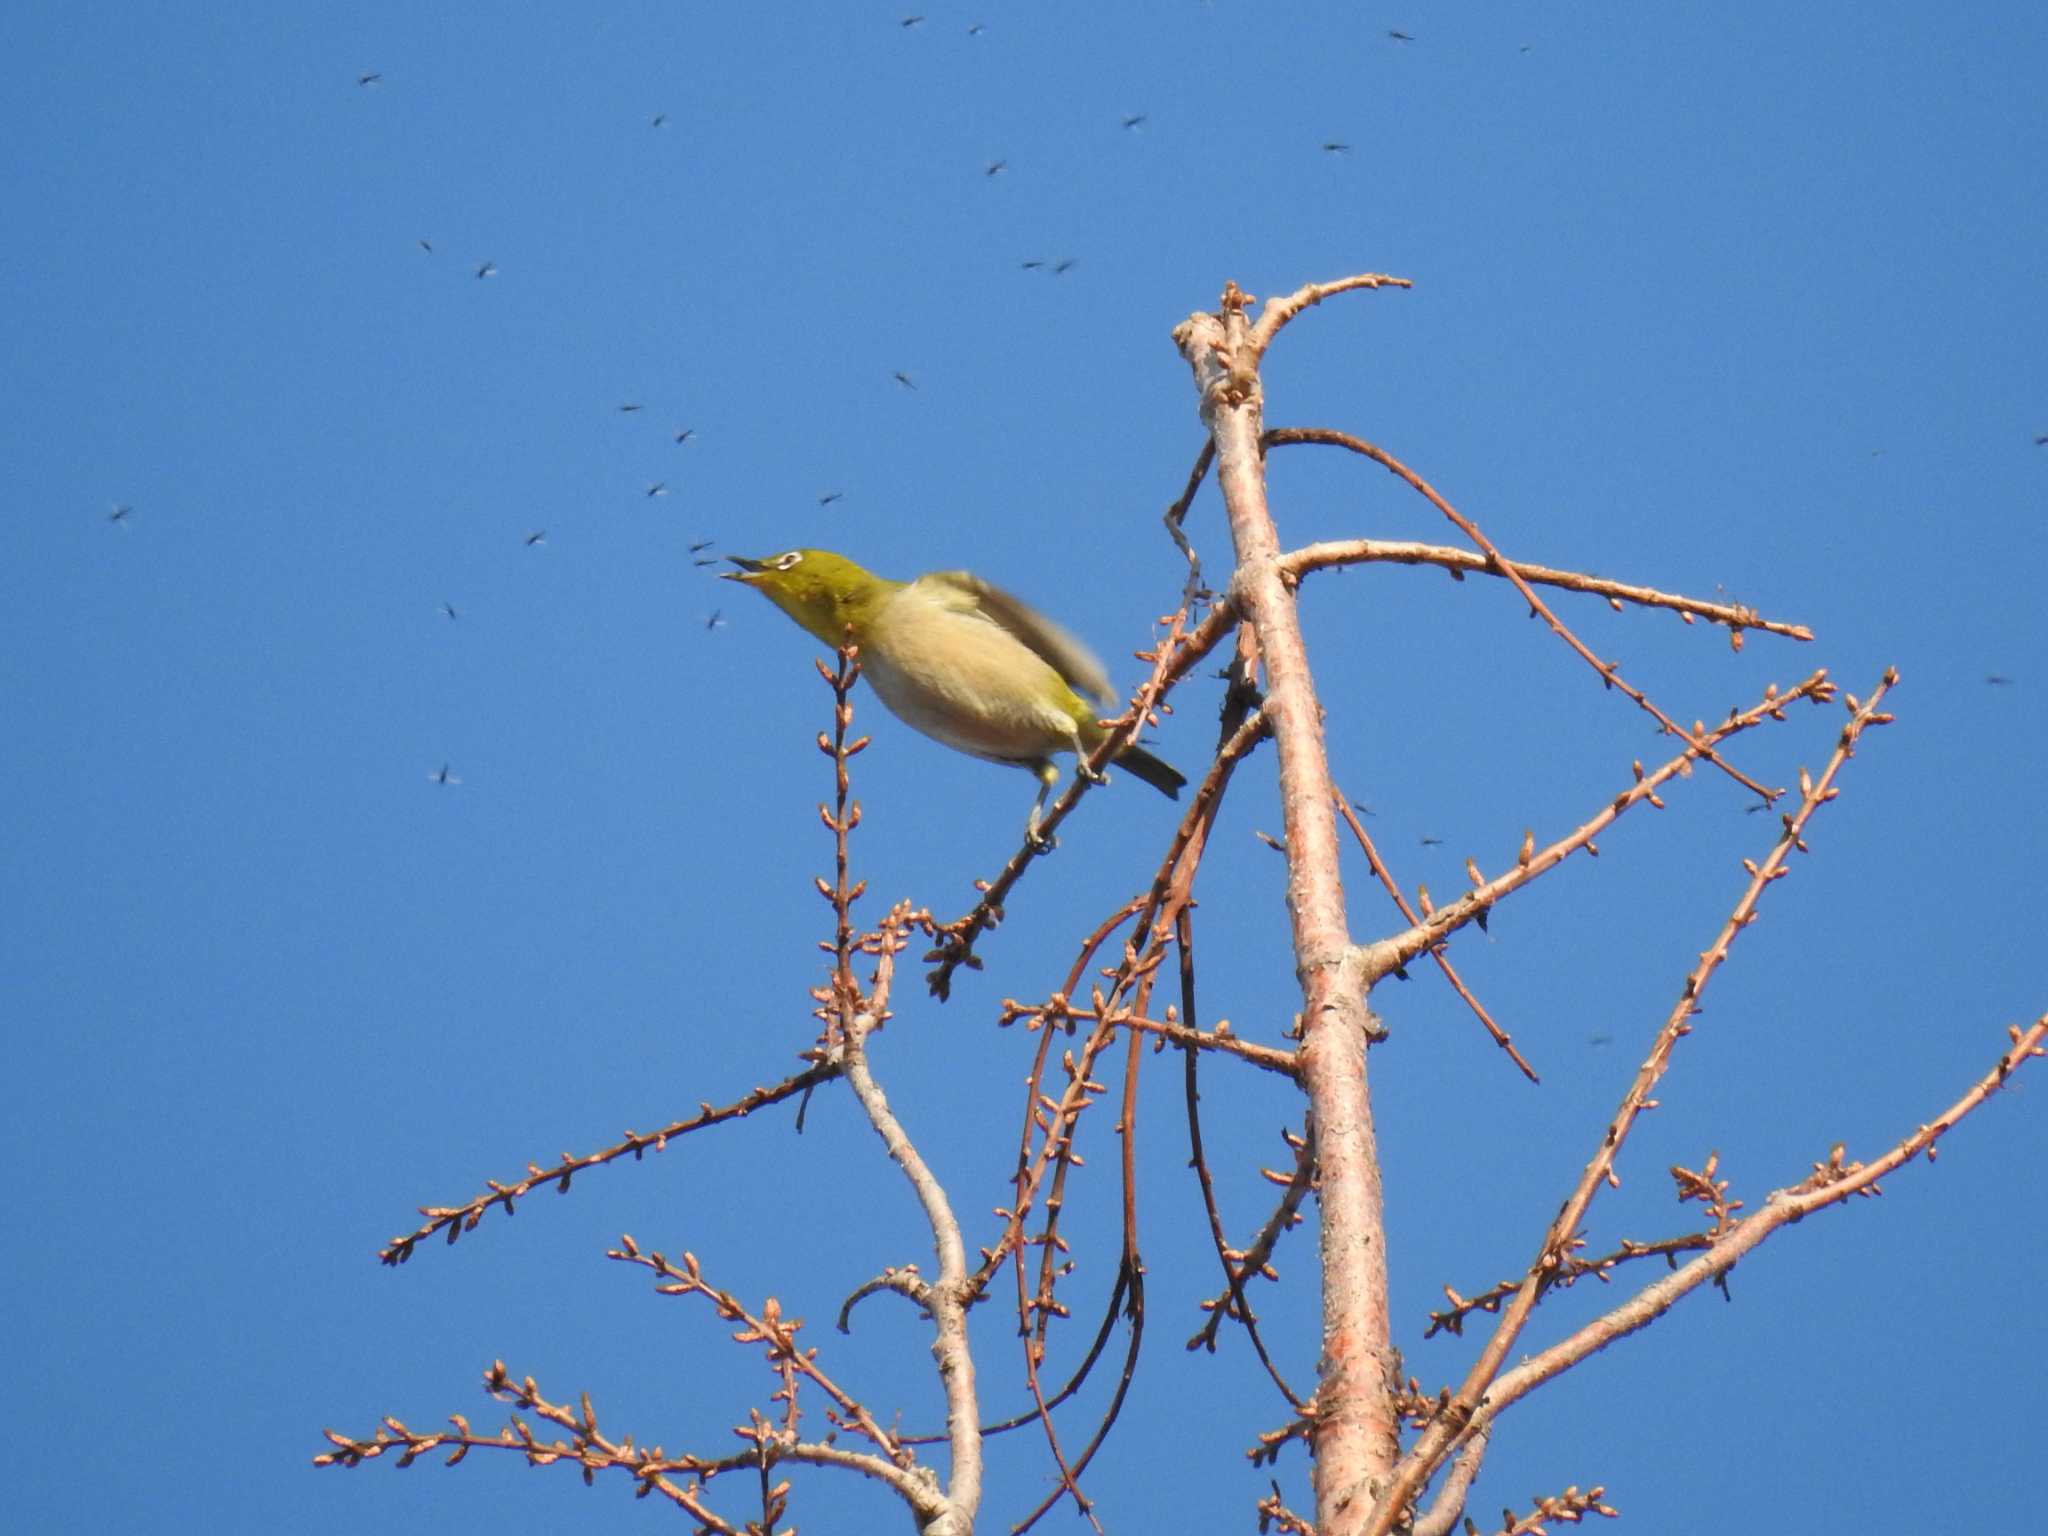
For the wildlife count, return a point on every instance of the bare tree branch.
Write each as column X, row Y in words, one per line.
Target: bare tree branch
column 1532, row 864
column 1831, row 1183
column 1563, row 1236
column 1609, row 671
column 948, row 1293
column 1279, row 311
column 1500, row 1036
column 454, row 1220
column 1335, row 553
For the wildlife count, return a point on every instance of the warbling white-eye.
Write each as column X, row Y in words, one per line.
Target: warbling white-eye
column 960, row 660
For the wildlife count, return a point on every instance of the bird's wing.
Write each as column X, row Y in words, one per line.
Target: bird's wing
column 1061, row 651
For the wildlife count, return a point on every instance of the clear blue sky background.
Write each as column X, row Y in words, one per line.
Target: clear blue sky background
column 1743, row 298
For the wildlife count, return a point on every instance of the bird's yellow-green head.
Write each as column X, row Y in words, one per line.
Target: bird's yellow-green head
column 822, row 591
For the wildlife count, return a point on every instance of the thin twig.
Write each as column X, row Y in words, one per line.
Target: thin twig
column 1176, row 521
column 1337, row 553
column 768, row 1328
column 1130, row 1282
column 454, row 1220
column 1570, row 1272
column 1239, row 1265
column 1532, row 863
column 840, row 821
column 1379, row 868
column 1198, row 1159
column 1279, row 311
column 1267, row 1058
column 1610, row 672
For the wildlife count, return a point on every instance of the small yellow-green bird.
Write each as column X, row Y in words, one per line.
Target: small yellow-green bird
column 962, row 661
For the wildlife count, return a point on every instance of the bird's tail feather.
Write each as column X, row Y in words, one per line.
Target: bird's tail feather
column 1162, row 776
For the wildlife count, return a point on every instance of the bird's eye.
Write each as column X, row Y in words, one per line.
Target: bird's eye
column 784, row 562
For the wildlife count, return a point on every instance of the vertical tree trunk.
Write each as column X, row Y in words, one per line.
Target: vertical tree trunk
column 1356, row 1435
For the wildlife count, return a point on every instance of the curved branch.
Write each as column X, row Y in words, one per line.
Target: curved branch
column 905, row 1282
column 1135, row 1310
column 1610, row 672
column 1329, row 553
column 1279, row 311
column 948, row 1294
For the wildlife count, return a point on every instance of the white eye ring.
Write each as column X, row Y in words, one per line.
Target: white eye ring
column 784, row 562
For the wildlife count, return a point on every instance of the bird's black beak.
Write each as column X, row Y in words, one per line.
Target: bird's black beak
column 747, row 568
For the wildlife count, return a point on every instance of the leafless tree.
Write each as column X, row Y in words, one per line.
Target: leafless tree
column 1388, row 1454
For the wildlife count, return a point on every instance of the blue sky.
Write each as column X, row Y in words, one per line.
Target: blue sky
column 1725, row 299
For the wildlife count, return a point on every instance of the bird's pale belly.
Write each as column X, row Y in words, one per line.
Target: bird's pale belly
column 974, row 705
